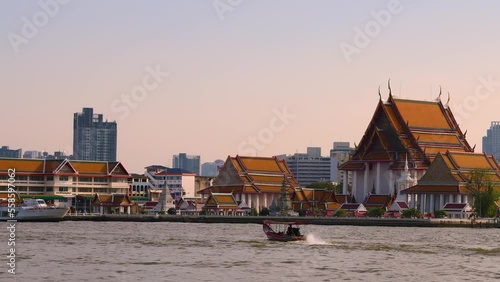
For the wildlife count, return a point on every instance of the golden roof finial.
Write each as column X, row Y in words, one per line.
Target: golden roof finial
column 389, row 86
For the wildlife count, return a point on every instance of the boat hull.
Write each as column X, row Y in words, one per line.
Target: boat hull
column 284, row 238
column 36, row 214
column 280, row 236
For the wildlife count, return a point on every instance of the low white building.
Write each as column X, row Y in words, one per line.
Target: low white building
column 180, row 182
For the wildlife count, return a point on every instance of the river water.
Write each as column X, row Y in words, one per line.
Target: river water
column 164, row 251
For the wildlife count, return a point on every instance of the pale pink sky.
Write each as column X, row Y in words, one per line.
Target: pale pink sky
column 228, row 71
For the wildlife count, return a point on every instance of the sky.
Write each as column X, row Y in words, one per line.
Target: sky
column 225, row 77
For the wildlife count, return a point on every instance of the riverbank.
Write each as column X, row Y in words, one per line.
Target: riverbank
column 396, row 222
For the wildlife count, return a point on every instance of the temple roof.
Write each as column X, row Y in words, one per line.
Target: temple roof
column 400, row 127
column 449, row 173
column 63, row 167
column 113, row 200
column 253, row 175
column 221, row 201
column 377, row 201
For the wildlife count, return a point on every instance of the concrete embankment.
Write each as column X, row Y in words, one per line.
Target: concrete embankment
column 397, row 222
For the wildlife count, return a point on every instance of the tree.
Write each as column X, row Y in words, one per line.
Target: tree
column 172, row 211
column 376, row 212
column 340, row 213
column 322, row 185
column 440, row 214
column 411, row 213
column 483, row 193
column 264, row 212
column 339, row 188
column 253, row 212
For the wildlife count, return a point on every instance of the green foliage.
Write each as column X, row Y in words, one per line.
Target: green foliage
column 203, row 213
column 171, row 211
column 322, row 185
column 264, row 212
column 340, row 213
column 440, row 214
column 483, row 193
column 253, row 212
column 339, row 188
column 376, row 212
column 411, row 213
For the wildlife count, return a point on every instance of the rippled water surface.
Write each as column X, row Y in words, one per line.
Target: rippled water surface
column 163, row 251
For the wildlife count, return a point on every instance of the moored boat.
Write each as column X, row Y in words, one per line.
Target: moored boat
column 284, row 231
column 29, row 210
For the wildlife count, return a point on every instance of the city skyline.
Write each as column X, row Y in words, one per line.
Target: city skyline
column 195, row 78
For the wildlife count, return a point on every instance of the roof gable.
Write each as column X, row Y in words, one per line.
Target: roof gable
column 65, row 167
column 438, row 173
column 118, row 169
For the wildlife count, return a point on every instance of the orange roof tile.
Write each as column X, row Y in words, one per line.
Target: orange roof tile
column 249, row 189
column 90, row 167
column 470, row 160
column 260, row 164
column 422, row 114
column 437, row 138
column 270, row 188
column 22, row 165
column 236, row 164
column 283, row 165
column 267, row 178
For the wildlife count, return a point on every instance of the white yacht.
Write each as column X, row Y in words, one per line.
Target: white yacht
column 30, row 210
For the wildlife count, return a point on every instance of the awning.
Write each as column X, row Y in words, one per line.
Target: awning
column 45, row 197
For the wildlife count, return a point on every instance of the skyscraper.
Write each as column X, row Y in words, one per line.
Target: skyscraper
column 211, row 169
column 93, row 138
column 310, row 167
column 187, row 162
column 491, row 142
column 5, row 152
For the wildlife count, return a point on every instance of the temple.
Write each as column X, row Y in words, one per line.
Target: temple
column 401, row 141
column 446, row 178
column 257, row 181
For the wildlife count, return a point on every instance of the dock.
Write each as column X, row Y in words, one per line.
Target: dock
column 353, row 221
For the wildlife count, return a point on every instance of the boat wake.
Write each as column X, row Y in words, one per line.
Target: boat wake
column 313, row 240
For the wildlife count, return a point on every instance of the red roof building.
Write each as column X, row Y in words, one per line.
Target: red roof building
column 257, row 181
column 402, row 139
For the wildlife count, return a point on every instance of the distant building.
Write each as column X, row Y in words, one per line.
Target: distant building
column 140, row 186
column 32, row 154
column 190, row 163
column 5, row 152
column 179, row 182
column 58, row 155
column 93, row 138
column 211, row 169
column 310, row 167
column 491, row 142
column 339, row 155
